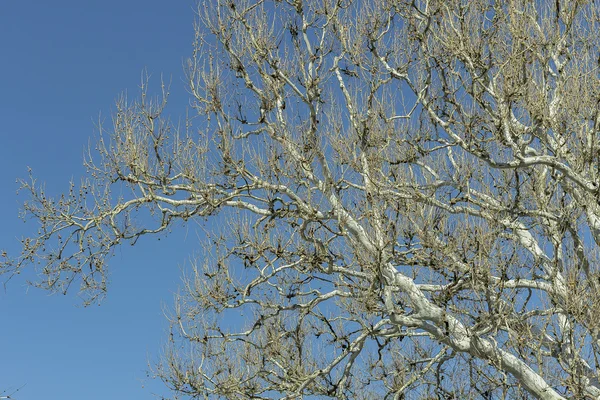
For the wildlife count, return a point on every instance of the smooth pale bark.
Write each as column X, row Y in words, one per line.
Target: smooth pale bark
column 402, row 190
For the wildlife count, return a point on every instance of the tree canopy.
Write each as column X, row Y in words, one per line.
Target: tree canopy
column 401, row 196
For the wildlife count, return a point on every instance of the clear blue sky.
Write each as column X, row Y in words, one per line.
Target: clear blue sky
column 64, row 62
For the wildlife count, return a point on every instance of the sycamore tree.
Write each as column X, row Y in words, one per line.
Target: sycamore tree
column 402, row 199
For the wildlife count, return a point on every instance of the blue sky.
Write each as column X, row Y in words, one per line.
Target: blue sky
column 63, row 64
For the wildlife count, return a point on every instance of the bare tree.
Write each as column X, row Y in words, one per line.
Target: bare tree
column 407, row 194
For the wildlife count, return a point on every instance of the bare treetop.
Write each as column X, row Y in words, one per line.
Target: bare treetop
column 405, row 193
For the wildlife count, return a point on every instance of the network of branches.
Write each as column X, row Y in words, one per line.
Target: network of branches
column 401, row 196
